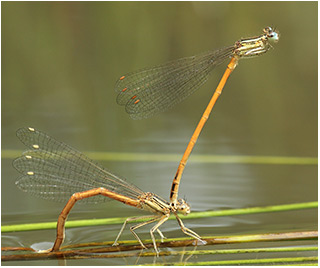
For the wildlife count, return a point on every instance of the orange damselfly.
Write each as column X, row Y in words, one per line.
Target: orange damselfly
column 153, row 90
column 55, row 171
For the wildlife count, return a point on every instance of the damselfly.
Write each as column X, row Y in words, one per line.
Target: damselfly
column 152, row 90
column 53, row 170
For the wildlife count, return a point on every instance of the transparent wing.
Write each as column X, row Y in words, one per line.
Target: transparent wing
column 53, row 170
column 152, row 90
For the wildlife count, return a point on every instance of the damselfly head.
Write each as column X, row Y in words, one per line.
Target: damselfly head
column 272, row 34
column 183, row 207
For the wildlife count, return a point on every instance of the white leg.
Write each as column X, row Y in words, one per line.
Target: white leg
column 163, row 219
column 133, row 219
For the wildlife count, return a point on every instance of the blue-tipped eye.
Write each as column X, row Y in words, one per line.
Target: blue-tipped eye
column 272, row 34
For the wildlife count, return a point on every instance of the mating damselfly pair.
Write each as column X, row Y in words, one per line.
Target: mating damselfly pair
column 53, row 170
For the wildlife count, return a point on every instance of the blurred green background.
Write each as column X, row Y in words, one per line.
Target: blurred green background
column 60, row 61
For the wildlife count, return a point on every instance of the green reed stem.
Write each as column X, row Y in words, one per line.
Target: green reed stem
column 194, row 215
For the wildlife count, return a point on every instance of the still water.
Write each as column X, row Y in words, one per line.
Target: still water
column 60, row 64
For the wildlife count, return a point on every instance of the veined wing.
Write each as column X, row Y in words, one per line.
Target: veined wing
column 152, row 90
column 53, row 170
